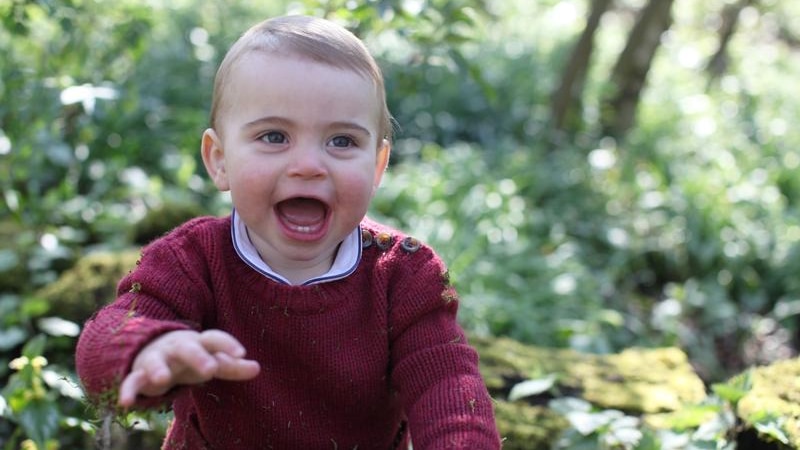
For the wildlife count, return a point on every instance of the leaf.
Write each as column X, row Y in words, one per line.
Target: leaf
column 627, row 437
column 531, row 387
column 567, row 405
column 8, row 259
column 39, row 420
column 35, row 347
column 626, row 422
column 56, row 326
column 587, row 423
column 772, row 427
column 4, row 409
column 688, row 417
column 11, row 337
column 734, row 389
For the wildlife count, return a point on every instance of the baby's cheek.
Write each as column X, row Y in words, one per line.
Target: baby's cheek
column 357, row 188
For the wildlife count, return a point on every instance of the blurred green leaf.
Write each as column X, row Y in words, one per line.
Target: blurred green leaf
column 12, row 337
column 735, row 389
column 39, row 420
column 773, row 427
column 35, row 346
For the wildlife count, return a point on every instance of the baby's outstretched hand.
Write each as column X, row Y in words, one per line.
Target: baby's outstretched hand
column 185, row 357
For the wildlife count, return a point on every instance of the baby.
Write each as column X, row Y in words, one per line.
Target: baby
column 295, row 322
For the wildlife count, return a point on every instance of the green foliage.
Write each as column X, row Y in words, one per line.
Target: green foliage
column 41, row 397
column 590, row 428
column 733, row 390
column 521, row 219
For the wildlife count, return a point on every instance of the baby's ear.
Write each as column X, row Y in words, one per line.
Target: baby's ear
column 214, row 159
column 381, row 163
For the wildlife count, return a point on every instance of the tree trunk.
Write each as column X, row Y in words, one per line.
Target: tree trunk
column 566, row 102
column 718, row 63
column 618, row 112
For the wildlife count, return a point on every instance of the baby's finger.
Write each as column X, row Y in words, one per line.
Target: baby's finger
column 236, row 369
column 218, row 341
column 131, row 386
column 189, row 361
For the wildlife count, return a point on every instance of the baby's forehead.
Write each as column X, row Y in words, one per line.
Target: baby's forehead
column 260, row 54
column 257, row 71
column 255, row 60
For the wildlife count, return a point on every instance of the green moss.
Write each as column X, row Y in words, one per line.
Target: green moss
column 636, row 380
column 639, row 381
column 659, row 385
column 526, row 427
column 88, row 285
column 643, row 380
column 163, row 219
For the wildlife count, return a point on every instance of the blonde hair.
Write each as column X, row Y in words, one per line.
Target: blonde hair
column 317, row 39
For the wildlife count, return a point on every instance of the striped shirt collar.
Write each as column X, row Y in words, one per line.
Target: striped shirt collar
column 347, row 256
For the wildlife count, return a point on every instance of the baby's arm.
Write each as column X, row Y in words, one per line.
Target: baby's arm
column 435, row 370
column 185, row 357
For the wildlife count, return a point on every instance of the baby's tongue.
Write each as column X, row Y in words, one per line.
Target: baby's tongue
column 302, row 211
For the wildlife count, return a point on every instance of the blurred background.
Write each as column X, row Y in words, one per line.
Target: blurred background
column 598, row 175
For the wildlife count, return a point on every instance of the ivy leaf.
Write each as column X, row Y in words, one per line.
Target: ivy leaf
column 625, row 437
column 566, row 405
column 773, row 427
column 5, row 411
column 56, row 326
column 35, row 346
column 735, row 389
column 39, row 419
column 11, row 337
column 531, row 387
column 587, row 423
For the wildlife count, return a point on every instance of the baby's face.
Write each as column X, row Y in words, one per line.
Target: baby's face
column 299, row 149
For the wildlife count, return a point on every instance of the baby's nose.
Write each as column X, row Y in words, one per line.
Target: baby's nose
column 307, row 161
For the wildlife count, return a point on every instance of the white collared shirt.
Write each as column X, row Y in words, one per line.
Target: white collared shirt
column 347, row 256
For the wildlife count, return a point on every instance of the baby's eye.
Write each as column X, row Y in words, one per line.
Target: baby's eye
column 342, row 141
column 274, row 137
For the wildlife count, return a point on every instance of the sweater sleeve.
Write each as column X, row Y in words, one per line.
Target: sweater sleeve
column 158, row 296
column 435, row 370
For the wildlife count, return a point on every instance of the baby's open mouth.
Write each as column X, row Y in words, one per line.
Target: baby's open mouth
column 302, row 214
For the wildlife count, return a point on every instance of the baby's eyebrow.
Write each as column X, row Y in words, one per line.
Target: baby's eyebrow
column 261, row 121
column 282, row 121
column 352, row 126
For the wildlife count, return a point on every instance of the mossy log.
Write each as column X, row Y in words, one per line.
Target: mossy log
column 658, row 385
column 637, row 381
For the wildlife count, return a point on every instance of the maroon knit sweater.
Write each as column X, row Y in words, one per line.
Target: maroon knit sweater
column 345, row 364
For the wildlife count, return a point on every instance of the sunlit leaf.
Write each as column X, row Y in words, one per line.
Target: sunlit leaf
column 627, row 437
column 735, row 389
column 4, row 410
column 773, row 427
column 531, row 387
column 565, row 405
column 65, row 385
column 56, row 326
column 587, row 423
